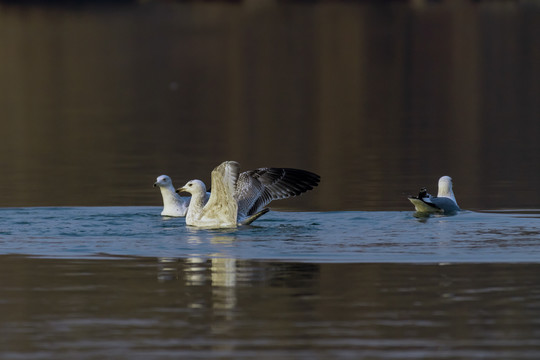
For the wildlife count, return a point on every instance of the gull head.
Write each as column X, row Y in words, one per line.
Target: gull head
column 163, row 181
column 445, row 187
column 193, row 187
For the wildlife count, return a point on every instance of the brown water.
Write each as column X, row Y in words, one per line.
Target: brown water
column 379, row 98
column 141, row 308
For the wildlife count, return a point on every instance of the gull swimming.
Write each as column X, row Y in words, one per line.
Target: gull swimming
column 240, row 198
column 173, row 204
column 444, row 203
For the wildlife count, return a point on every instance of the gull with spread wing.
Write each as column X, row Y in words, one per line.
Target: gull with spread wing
column 240, row 198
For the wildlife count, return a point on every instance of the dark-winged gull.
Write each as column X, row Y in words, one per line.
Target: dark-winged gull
column 240, row 198
column 444, row 203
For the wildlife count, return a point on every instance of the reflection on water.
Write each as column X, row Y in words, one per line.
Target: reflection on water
column 227, row 308
column 167, row 269
column 380, row 98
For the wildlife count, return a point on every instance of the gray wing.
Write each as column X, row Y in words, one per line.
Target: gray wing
column 257, row 188
column 445, row 204
column 222, row 205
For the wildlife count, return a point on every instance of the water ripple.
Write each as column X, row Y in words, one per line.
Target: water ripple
column 354, row 236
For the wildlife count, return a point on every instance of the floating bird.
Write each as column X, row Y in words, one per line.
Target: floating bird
column 173, row 204
column 240, row 198
column 444, row 203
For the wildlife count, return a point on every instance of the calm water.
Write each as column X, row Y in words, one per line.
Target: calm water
column 380, row 98
column 125, row 283
column 195, row 308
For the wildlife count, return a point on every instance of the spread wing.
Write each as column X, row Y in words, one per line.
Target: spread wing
column 257, row 188
column 222, row 205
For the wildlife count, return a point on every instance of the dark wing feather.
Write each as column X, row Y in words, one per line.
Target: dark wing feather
column 257, row 188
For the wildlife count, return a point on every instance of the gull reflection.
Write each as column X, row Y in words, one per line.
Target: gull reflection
column 224, row 283
column 213, row 282
column 194, row 240
column 214, row 275
column 224, row 299
column 195, row 271
column 167, row 269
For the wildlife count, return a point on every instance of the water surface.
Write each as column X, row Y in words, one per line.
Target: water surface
column 380, row 98
column 349, row 236
column 224, row 308
column 126, row 283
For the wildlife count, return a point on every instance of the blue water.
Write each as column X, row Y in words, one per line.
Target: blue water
column 348, row 237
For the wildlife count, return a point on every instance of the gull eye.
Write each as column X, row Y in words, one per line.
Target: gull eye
column 190, row 184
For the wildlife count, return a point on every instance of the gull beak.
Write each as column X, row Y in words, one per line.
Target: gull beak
column 155, row 184
column 179, row 190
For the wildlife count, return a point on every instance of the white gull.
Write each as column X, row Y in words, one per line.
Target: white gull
column 240, row 198
column 445, row 201
column 173, row 204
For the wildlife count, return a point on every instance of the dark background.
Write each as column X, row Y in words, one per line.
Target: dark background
column 379, row 98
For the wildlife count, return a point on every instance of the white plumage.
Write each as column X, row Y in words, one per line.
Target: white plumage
column 173, row 204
